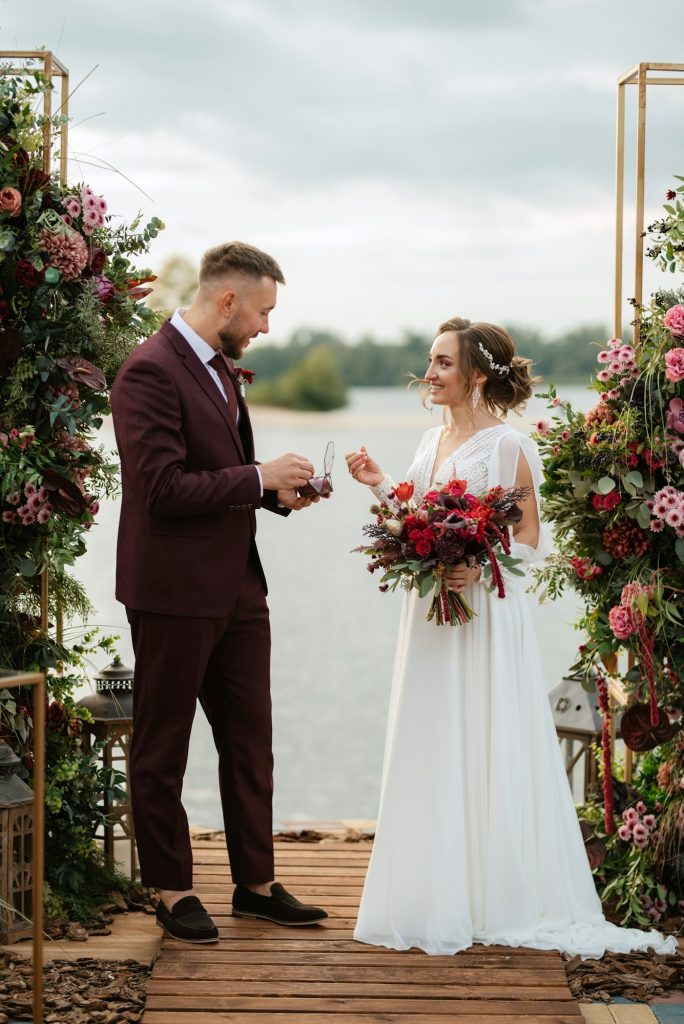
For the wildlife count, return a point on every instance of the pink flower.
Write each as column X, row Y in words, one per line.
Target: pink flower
column 640, row 807
column 649, row 821
column 10, row 201
column 630, row 816
column 674, row 320
column 86, row 191
column 603, row 357
column 639, row 833
column 556, row 401
column 614, row 393
column 29, row 490
column 104, row 288
column 624, row 832
column 73, row 207
column 621, row 622
column 9, row 517
column 675, row 414
column 615, row 343
column 95, row 508
column 615, row 366
column 543, row 427
column 101, row 205
column 14, row 498
column 674, row 360
column 603, row 376
column 674, row 517
column 34, row 502
column 90, row 202
column 657, row 525
column 91, row 218
column 67, row 219
column 565, row 436
column 29, row 517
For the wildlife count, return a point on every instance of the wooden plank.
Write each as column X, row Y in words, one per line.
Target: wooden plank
column 350, row 1004
column 209, row 1017
column 247, row 955
column 295, row 870
column 384, row 974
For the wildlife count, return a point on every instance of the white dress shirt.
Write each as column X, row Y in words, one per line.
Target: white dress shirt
column 204, row 353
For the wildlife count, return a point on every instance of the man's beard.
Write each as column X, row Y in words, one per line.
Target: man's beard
column 230, row 345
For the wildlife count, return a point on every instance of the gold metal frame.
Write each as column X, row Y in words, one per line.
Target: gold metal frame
column 641, row 76
column 37, row 681
column 52, row 68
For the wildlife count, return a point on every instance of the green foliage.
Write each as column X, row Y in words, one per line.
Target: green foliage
column 313, row 384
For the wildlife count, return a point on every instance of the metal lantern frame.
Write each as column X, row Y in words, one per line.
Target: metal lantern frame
column 35, row 680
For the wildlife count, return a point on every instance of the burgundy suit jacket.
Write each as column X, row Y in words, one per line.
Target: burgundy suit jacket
column 189, row 486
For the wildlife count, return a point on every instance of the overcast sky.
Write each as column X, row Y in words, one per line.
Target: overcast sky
column 404, row 160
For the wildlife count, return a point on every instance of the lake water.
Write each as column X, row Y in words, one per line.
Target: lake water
column 333, row 632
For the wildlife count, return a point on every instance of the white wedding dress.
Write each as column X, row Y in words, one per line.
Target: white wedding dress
column 477, row 838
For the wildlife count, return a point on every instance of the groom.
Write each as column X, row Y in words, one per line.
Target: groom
column 189, row 574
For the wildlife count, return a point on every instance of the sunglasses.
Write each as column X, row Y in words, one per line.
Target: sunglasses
column 320, row 485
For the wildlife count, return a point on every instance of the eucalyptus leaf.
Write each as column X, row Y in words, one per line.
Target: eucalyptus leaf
column 679, row 549
column 606, row 484
column 635, row 477
column 644, row 517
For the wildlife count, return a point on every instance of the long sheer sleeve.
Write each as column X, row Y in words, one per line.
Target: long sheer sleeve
column 515, row 463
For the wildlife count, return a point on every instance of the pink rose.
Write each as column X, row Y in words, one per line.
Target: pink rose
column 10, row 201
column 674, row 320
column 621, row 622
column 674, row 362
column 675, row 414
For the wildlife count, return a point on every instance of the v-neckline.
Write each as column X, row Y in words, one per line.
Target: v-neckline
column 436, row 469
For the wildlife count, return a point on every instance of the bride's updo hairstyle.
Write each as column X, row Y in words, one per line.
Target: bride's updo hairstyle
column 509, row 380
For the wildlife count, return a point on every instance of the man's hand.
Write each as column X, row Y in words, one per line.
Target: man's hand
column 290, row 499
column 286, row 472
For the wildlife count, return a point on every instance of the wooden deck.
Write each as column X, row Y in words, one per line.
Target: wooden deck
column 266, row 974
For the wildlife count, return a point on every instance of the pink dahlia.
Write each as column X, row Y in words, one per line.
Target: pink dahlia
column 674, row 364
column 603, row 357
column 674, row 320
column 67, row 253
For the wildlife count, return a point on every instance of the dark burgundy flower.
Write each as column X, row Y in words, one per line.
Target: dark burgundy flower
column 96, row 260
column 83, row 372
column 64, row 495
column 595, row 847
column 26, row 274
column 35, row 179
column 637, row 731
column 670, row 194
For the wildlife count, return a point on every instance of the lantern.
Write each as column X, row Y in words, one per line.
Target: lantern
column 111, row 707
column 578, row 723
column 16, row 850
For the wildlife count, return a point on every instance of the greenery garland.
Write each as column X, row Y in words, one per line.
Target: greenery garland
column 71, row 309
column 614, row 490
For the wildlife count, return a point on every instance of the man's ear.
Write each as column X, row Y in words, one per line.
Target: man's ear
column 226, row 303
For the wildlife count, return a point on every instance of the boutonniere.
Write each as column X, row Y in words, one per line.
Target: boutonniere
column 243, row 376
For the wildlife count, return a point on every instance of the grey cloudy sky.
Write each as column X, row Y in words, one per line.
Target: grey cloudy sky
column 405, row 160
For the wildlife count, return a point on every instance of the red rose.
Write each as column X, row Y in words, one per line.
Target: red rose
column 423, row 548
column 403, row 491
column 415, row 535
column 611, row 500
column 597, row 502
column 26, row 274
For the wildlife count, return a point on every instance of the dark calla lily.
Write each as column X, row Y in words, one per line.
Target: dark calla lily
column 83, row 372
column 637, row 731
column 595, row 847
column 65, row 496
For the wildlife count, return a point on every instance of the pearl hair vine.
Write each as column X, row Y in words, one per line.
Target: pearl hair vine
column 502, row 370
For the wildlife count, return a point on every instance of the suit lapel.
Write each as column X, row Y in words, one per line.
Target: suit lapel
column 201, row 375
column 244, row 423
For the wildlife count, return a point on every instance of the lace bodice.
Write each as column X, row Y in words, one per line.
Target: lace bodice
column 470, row 461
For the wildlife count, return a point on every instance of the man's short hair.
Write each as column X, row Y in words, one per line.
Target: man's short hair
column 238, row 257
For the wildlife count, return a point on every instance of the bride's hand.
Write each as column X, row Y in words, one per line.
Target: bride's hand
column 459, row 576
column 363, row 468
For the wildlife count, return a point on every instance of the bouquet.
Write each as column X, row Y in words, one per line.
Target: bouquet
column 414, row 543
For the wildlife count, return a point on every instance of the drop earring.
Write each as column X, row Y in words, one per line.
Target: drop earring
column 476, row 396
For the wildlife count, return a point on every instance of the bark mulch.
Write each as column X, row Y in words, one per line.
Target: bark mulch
column 636, row 976
column 83, row 991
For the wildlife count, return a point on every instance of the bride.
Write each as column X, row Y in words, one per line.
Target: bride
column 477, row 837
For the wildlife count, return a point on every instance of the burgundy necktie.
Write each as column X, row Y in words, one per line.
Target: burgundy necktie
column 219, row 364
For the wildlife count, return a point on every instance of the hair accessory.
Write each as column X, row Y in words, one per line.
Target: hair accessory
column 503, row 370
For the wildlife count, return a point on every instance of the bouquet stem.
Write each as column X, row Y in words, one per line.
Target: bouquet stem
column 448, row 607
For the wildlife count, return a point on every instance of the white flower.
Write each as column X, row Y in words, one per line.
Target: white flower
column 393, row 526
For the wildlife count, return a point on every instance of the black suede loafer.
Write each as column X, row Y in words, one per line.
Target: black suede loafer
column 187, row 920
column 280, row 907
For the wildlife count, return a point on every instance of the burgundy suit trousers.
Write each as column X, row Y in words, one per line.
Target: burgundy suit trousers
column 223, row 662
